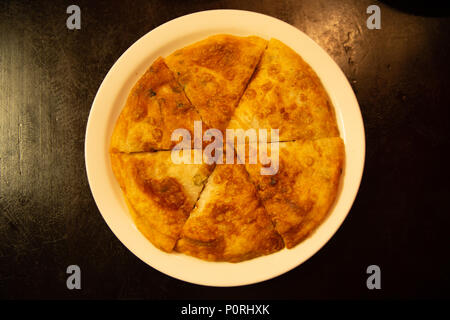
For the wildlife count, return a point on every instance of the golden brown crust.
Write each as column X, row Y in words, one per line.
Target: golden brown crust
column 300, row 195
column 286, row 94
column 229, row 223
column 160, row 194
column 214, row 73
column 232, row 220
column 155, row 107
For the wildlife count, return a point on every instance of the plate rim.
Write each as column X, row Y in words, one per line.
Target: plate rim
column 357, row 117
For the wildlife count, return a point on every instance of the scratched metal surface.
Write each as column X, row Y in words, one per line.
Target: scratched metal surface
column 48, row 219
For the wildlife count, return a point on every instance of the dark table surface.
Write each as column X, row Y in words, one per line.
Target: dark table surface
column 49, row 76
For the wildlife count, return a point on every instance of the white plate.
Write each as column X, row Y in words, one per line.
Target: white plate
column 111, row 97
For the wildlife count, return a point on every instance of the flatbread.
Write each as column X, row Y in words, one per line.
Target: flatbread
column 214, row 73
column 285, row 94
column 155, row 107
column 159, row 193
column 229, row 223
column 228, row 212
column 299, row 196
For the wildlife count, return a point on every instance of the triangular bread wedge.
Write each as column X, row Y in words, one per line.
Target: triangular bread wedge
column 214, row 73
column 159, row 193
column 155, row 107
column 229, row 223
column 300, row 193
column 285, row 94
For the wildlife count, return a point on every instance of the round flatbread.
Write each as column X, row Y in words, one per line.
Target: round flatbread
column 228, row 212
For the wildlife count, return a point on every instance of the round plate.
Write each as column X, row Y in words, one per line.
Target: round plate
column 111, row 97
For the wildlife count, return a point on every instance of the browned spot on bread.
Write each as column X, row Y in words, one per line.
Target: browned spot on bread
column 250, row 94
column 167, row 192
column 267, row 86
column 274, row 69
